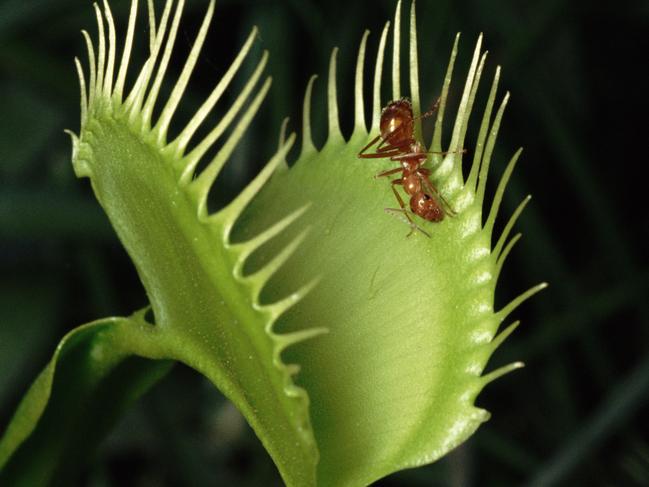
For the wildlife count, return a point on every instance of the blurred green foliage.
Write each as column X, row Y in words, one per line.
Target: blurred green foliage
column 577, row 415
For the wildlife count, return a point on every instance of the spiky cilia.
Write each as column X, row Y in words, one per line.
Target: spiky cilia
column 302, row 271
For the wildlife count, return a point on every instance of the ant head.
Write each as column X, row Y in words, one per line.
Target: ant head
column 397, row 122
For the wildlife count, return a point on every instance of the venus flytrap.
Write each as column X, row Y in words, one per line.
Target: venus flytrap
column 302, row 271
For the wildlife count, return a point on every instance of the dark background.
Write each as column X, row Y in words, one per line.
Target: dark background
column 577, row 71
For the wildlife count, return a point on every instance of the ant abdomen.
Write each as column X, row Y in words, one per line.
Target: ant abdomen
column 426, row 207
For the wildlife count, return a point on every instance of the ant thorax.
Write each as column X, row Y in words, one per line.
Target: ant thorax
column 416, row 147
column 415, row 158
column 411, row 164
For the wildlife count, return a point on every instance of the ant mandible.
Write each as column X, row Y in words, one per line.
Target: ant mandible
column 399, row 144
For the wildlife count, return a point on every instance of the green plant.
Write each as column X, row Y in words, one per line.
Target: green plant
column 301, row 271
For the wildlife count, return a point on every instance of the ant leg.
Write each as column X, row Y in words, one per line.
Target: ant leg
column 381, row 152
column 443, row 153
column 417, row 155
column 388, row 173
column 413, row 225
column 433, row 189
column 432, row 110
column 404, row 145
column 409, row 155
column 380, row 155
column 371, row 143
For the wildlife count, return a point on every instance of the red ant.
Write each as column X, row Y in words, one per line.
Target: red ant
column 398, row 144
